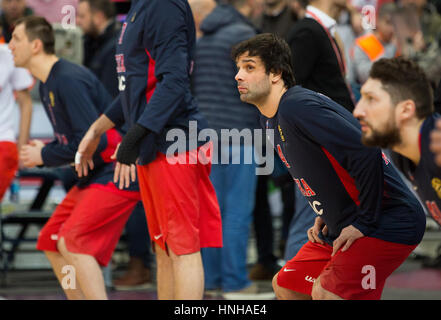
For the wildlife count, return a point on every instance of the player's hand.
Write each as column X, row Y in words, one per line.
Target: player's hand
column 30, row 154
column 435, row 142
column 123, row 172
column 347, row 237
column 313, row 232
column 84, row 155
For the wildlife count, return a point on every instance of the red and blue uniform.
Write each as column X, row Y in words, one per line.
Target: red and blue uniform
column 346, row 183
column 426, row 176
column 154, row 57
column 93, row 214
column 73, row 99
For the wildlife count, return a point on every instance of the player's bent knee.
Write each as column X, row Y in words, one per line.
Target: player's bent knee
column 61, row 246
column 275, row 286
column 318, row 293
column 287, row 294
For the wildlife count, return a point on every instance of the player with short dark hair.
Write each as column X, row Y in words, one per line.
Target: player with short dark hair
column 366, row 215
column 85, row 227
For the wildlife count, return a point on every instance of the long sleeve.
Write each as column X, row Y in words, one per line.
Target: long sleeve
column 167, row 44
column 81, row 114
column 340, row 139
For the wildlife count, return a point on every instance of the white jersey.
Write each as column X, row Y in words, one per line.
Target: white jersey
column 11, row 79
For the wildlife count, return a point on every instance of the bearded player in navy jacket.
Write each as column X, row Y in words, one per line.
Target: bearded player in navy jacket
column 154, row 56
column 368, row 221
column 396, row 111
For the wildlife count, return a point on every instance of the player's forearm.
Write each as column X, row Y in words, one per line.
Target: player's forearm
column 101, row 125
column 24, row 101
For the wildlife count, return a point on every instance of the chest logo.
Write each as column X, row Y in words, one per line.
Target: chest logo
column 133, row 17
column 52, row 99
column 281, row 133
column 436, row 185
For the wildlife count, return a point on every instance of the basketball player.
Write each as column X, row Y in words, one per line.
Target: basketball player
column 154, row 58
column 366, row 215
column 85, row 227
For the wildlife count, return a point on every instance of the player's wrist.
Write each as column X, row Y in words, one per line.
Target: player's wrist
column 128, row 150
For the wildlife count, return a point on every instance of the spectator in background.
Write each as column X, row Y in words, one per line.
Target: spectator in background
column 423, row 45
column 276, row 18
column 220, row 27
column 317, row 56
column 375, row 45
column 12, row 10
column 101, row 31
column 12, row 81
column 349, row 28
column 97, row 20
column 429, row 18
column 53, row 10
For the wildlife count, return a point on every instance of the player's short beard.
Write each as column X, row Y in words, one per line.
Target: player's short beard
column 389, row 138
column 258, row 94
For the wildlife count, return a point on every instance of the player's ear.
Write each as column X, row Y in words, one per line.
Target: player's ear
column 276, row 76
column 406, row 109
column 37, row 46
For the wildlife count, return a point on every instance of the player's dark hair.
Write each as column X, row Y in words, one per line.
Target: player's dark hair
column 39, row 28
column 403, row 79
column 105, row 6
column 274, row 52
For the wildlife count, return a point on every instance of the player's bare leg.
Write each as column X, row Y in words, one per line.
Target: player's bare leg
column 88, row 272
column 58, row 263
column 286, row 294
column 318, row 293
column 188, row 273
column 164, row 275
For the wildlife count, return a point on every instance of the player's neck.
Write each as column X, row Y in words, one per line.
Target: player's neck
column 270, row 106
column 41, row 66
column 410, row 141
column 324, row 6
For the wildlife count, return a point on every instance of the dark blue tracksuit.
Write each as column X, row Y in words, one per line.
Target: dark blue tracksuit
column 345, row 182
column 426, row 176
column 154, row 58
column 73, row 99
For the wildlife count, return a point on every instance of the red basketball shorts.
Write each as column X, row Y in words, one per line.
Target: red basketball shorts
column 359, row 273
column 180, row 202
column 90, row 220
column 8, row 165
